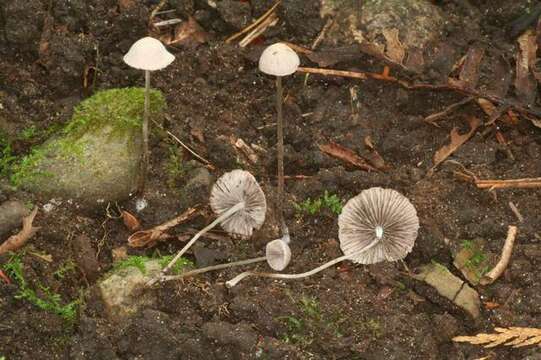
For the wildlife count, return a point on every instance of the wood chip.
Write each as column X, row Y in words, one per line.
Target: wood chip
column 130, row 221
column 525, row 85
column 394, row 49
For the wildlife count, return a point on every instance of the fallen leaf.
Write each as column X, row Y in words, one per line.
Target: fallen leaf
column 189, row 33
column 347, row 155
column 525, row 85
column 18, row 240
column 373, row 157
column 130, row 221
column 394, row 49
column 489, row 305
column 457, row 141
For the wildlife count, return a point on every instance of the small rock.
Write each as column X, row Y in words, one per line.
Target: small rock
column 206, row 257
column 235, row 13
column 450, row 287
column 85, row 257
column 240, row 336
column 123, row 291
column 95, row 160
column 11, row 216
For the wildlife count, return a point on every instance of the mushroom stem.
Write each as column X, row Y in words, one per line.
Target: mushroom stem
column 214, row 267
column 246, row 274
column 218, row 220
column 145, row 157
column 280, row 148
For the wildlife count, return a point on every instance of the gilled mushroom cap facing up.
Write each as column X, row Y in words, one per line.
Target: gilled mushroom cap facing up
column 278, row 254
column 380, row 216
column 148, row 54
column 279, row 60
column 235, row 187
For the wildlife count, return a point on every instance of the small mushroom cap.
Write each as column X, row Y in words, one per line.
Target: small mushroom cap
column 383, row 216
column 278, row 254
column 279, row 60
column 235, row 187
column 148, row 54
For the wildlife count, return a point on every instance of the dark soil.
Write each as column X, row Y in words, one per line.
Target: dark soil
column 214, row 93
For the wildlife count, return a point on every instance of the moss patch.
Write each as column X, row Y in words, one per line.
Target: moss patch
column 109, row 114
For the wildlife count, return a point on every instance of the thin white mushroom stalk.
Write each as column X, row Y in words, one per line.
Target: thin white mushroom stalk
column 376, row 225
column 240, row 204
column 277, row 255
column 231, row 283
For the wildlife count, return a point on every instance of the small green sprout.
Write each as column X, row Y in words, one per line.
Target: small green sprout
column 312, row 207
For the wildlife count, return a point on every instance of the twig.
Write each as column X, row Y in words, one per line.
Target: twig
column 260, row 29
column 200, row 158
column 500, row 267
column 507, row 184
column 254, row 24
column 148, row 237
column 532, row 110
column 431, row 119
column 515, row 211
column 16, row 241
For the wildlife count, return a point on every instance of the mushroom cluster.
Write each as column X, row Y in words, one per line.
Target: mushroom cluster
column 376, row 225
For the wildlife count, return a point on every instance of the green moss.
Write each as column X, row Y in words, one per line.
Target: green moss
column 139, row 262
column 313, row 207
column 47, row 300
column 122, row 109
column 7, row 158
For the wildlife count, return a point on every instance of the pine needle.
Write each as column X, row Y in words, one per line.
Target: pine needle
column 512, row 336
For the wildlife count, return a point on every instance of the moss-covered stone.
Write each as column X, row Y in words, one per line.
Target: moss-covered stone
column 95, row 158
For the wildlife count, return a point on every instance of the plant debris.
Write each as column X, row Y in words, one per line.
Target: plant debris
column 500, row 267
column 457, row 141
column 347, row 155
column 130, row 221
column 16, row 241
column 512, row 336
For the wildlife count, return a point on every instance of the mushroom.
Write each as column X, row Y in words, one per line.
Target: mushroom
column 279, row 60
column 376, row 225
column 277, row 255
column 240, row 204
column 147, row 54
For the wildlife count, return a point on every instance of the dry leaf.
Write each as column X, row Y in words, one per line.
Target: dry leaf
column 130, row 221
column 512, row 336
column 347, row 155
column 457, row 141
column 16, row 241
column 4, row 277
column 394, row 49
column 525, row 85
column 373, row 156
column 490, row 305
column 189, row 33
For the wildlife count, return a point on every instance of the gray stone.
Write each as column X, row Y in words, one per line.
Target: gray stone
column 418, row 23
column 95, row 159
column 123, row 293
column 450, row 287
column 235, row 13
column 11, row 216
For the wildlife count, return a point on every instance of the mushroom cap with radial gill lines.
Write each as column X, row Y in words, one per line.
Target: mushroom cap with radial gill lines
column 278, row 254
column 148, row 54
column 279, row 60
column 382, row 218
column 235, row 187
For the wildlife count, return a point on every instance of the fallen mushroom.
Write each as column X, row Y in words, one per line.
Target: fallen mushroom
column 240, row 204
column 277, row 255
column 279, row 60
column 376, row 225
column 147, row 54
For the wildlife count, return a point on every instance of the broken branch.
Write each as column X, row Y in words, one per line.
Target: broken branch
column 18, row 240
column 500, row 267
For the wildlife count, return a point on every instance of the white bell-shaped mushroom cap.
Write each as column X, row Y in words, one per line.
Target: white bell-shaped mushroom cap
column 278, row 254
column 381, row 217
column 235, row 187
column 148, row 54
column 279, row 60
